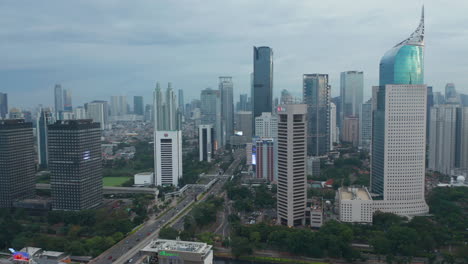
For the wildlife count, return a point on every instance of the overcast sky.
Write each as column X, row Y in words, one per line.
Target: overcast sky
column 99, row 48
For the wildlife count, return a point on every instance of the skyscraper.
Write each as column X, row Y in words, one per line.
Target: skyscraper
column 365, row 125
column 316, row 93
column 451, row 95
column 333, row 132
column 350, row 130
column 3, row 105
column 118, row 105
column 244, row 124
column 448, row 143
column 79, row 112
column 210, row 107
column 286, row 97
column 168, row 157
column 167, row 137
column 351, row 93
column 227, row 108
column 98, row 111
column 181, row 103
column 17, row 165
column 206, row 142
column 75, row 162
column 264, row 159
column 67, row 100
column 266, row 126
column 45, row 118
column 292, row 156
column 262, row 82
column 138, row 105
column 58, row 95
column 399, row 129
column 243, row 101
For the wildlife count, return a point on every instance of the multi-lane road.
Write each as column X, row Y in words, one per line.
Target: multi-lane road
column 128, row 249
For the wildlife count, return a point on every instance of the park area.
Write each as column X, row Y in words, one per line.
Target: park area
column 114, row 181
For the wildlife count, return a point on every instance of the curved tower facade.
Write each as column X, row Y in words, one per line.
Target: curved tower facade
column 399, row 129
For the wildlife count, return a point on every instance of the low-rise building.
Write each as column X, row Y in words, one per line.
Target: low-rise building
column 176, row 251
column 314, row 210
column 144, row 178
column 355, row 205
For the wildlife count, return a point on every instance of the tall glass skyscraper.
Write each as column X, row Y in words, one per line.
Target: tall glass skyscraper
column 3, row 105
column 399, row 129
column 262, row 86
column 316, row 93
column 351, row 92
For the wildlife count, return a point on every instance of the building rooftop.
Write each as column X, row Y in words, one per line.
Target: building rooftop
column 354, row 193
column 177, row 245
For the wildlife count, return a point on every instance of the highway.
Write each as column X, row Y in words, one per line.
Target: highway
column 110, row 189
column 129, row 248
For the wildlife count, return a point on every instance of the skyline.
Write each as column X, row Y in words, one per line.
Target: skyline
column 120, row 50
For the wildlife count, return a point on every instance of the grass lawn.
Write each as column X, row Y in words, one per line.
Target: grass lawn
column 114, row 181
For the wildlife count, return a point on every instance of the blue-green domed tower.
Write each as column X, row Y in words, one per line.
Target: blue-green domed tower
column 404, row 63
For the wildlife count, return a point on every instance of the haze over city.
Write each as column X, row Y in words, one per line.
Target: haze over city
column 103, row 48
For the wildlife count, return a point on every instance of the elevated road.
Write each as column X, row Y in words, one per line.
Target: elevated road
column 111, row 190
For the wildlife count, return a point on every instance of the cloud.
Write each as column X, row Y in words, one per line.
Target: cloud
column 100, row 48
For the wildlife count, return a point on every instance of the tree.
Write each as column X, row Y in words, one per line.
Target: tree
column 168, row 233
column 240, row 246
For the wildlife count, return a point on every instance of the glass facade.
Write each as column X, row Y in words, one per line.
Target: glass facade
column 402, row 65
column 316, row 92
column 262, row 86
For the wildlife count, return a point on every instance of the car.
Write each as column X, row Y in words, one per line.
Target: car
column 137, row 239
column 130, row 260
column 110, row 257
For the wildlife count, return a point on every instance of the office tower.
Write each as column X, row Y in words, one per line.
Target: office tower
column 181, row 103
column 337, row 101
column 75, row 163
column 167, row 137
column 264, row 159
column 148, row 113
column 286, row 97
column 313, row 166
column 461, row 151
column 316, row 94
column 443, row 141
column 451, row 95
column 350, row 131
column 67, row 100
column 333, row 133
column 168, row 157
column 399, row 124
column 210, row 107
column 67, row 116
column 266, row 126
column 3, row 105
column 227, row 108
column 206, row 142
column 438, row 98
column 464, row 99
column 58, row 95
column 292, row 156
column 365, row 125
column 448, row 143
column 44, row 119
column 429, row 105
column 17, row 165
column 98, row 111
column 243, row 103
column 118, row 105
column 244, row 124
column 79, row 112
column 351, row 89
column 262, row 82
column 138, row 105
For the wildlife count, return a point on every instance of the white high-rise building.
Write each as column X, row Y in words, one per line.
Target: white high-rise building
column 168, row 157
column 206, row 142
column 79, row 112
column 266, row 126
column 98, row 111
column 118, row 105
column 292, row 160
column 333, row 130
column 404, row 150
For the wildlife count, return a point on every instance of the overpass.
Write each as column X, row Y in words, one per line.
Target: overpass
column 112, row 190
